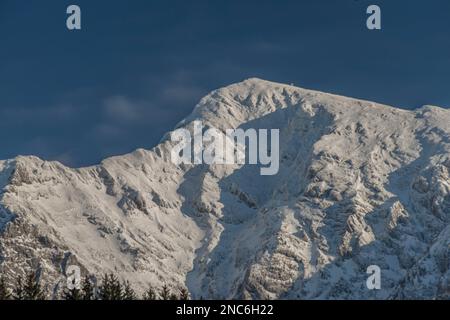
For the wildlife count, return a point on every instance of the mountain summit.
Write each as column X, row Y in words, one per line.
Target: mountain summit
column 359, row 184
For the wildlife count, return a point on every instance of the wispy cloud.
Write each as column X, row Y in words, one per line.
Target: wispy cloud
column 121, row 109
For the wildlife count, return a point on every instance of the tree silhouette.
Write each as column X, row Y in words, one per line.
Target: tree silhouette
column 18, row 292
column 88, row 289
column 165, row 293
column 128, row 292
column 110, row 288
column 30, row 289
column 184, row 294
column 150, row 294
column 4, row 291
column 73, row 294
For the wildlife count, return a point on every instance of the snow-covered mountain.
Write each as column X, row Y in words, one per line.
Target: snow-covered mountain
column 359, row 184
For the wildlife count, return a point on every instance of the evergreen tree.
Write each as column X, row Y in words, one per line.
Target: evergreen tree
column 18, row 292
column 184, row 294
column 105, row 290
column 165, row 293
column 111, row 288
column 28, row 289
column 117, row 289
column 88, row 289
column 128, row 292
column 150, row 294
column 4, row 291
column 32, row 289
column 73, row 294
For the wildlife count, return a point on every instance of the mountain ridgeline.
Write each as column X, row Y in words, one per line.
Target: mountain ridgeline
column 359, row 184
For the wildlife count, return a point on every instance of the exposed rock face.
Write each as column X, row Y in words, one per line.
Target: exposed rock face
column 359, row 184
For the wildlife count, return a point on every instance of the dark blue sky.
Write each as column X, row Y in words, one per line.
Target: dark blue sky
column 138, row 67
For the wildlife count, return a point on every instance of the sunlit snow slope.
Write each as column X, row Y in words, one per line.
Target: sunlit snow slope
column 359, row 184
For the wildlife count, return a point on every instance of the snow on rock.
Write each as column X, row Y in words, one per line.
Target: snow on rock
column 359, row 184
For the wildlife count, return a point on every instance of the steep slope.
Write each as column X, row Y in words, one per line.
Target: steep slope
column 122, row 216
column 359, row 184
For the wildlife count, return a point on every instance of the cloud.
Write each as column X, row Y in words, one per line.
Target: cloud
column 82, row 128
column 66, row 158
column 121, row 109
column 106, row 131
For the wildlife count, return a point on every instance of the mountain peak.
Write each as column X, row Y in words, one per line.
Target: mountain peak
column 254, row 98
column 359, row 184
